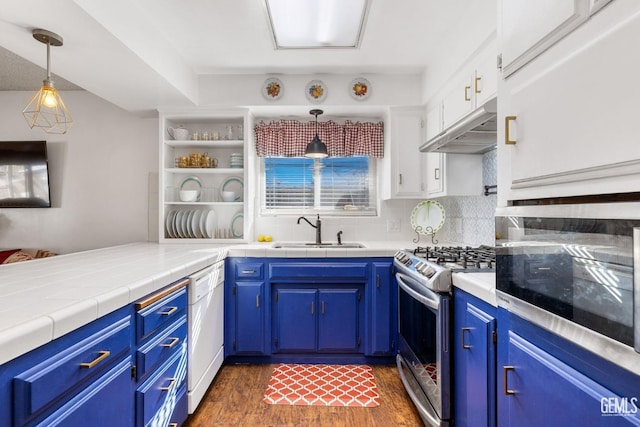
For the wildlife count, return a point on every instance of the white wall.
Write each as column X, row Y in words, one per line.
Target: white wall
column 99, row 177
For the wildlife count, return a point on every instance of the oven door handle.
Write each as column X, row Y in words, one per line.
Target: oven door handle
column 431, row 299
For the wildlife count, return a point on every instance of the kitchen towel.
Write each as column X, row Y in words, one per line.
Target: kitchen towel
column 323, row 385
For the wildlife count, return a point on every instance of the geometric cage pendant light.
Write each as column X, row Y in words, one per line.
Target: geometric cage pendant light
column 46, row 109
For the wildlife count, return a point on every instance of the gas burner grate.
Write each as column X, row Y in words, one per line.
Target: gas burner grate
column 465, row 257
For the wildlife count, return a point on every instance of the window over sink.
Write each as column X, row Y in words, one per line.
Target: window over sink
column 333, row 185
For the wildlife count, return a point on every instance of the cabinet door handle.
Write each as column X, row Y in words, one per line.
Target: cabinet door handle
column 169, row 312
column 173, row 425
column 248, row 271
column 462, row 331
column 172, row 343
column 312, row 308
column 505, row 377
column 377, row 280
column 258, row 301
column 466, row 93
column 507, row 137
column 322, row 307
column 101, row 356
column 172, row 382
column 436, row 174
column 400, row 179
column 476, row 86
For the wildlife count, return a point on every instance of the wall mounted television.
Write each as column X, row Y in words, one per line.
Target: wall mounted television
column 24, row 175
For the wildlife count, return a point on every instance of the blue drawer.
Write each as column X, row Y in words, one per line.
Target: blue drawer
column 158, row 396
column 45, row 382
column 161, row 347
column 249, row 270
column 161, row 313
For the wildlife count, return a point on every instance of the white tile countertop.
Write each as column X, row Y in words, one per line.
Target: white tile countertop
column 268, row 249
column 46, row 298
column 481, row 285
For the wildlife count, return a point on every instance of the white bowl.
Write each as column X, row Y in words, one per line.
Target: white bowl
column 189, row 195
column 229, row 196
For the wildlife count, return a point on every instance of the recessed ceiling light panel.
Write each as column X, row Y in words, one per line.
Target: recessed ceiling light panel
column 300, row 24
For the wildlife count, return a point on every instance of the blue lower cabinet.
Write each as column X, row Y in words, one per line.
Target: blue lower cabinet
column 249, row 318
column 340, row 318
column 309, row 319
column 546, row 380
column 310, row 309
column 294, row 320
column 159, row 396
column 106, row 402
column 474, row 361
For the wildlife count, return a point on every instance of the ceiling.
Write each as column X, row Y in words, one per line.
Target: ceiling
column 141, row 54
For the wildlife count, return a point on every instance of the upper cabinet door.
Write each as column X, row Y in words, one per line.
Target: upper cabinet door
column 460, row 100
column 530, row 27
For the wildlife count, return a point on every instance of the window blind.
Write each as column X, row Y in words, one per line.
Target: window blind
column 330, row 184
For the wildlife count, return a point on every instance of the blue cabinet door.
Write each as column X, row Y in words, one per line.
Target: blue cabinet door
column 249, row 317
column 339, row 320
column 538, row 389
column 107, row 401
column 295, row 326
column 383, row 320
column 474, row 361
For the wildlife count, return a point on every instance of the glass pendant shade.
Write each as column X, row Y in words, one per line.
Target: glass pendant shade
column 316, row 149
column 46, row 110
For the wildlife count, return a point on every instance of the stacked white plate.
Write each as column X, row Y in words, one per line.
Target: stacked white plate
column 236, row 160
column 190, row 223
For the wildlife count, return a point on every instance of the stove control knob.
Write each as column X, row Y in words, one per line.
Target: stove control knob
column 429, row 271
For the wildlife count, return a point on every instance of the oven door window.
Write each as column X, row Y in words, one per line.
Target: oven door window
column 421, row 329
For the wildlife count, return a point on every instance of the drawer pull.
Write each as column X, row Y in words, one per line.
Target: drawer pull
column 173, row 342
column 463, row 330
column 248, row 271
column 172, row 382
column 102, row 355
column 505, row 371
column 170, row 311
column 173, row 425
column 322, row 307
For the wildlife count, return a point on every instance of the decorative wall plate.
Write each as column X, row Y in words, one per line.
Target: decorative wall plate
column 272, row 89
column 316, row 91
column 360, row 88
column 427, row 217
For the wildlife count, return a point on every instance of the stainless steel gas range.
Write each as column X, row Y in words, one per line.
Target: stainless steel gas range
column 424, row 320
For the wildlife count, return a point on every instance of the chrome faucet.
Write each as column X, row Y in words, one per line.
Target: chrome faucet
column 318, row 228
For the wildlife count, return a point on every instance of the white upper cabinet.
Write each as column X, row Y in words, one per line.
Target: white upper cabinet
column 567, row 121
column 468, row 89
column 454, row 175
column 529, row 27
column 406, row 163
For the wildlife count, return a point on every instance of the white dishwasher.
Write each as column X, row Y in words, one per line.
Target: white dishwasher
column 206, row 330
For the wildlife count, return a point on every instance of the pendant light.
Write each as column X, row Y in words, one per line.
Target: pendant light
column 316, row 149
column 46, row 109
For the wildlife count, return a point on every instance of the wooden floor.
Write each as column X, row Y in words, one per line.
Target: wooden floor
column 235, row 399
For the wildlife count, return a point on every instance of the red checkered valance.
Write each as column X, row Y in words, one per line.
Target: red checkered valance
column 289, row 138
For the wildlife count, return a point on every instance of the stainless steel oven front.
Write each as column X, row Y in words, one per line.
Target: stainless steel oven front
column 575, row 271
column 424, row 348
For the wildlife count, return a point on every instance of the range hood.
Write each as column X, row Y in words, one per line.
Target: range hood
column 475, row 133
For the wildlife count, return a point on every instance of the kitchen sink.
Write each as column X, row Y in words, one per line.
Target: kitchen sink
column 318, row 245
